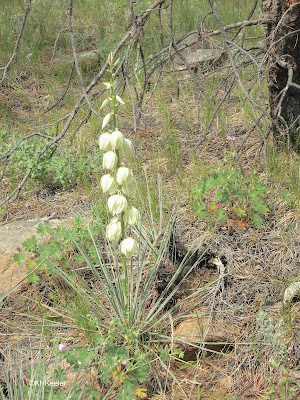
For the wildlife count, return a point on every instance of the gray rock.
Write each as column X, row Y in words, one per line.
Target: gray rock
column 200, row 58
column 87, row 60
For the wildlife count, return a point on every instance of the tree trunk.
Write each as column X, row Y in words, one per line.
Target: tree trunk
column 283, row 44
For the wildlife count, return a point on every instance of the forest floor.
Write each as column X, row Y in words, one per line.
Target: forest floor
column 242, row 305
column 249, row 345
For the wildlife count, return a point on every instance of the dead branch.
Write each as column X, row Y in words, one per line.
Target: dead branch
column 153, row 67
column 140, row 21
column 253, row 104
column 65, row 91
column 56, row 41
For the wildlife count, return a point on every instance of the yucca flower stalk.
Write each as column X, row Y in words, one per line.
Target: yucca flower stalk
column 119, row 183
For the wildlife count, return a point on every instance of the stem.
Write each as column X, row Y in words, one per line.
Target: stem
column 124, row 268
column 113, row 102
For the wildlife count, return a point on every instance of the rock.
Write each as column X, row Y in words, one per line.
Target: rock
column 87, row 60
column 12, row 236
column 291, row 292
column 219, row 337
column 200, row 58
column 195, row 42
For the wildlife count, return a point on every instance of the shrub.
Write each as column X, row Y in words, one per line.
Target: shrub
column 226, row 191
column 55, row 169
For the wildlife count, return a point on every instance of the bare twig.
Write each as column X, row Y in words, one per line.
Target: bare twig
column 253, row 105
column 140, row 21
column 56, row 41
column 64, row 93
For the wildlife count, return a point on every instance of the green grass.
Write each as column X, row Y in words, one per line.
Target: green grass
column 285, row 171
column 47, row 18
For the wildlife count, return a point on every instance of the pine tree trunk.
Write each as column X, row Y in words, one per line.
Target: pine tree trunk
column 283, row 44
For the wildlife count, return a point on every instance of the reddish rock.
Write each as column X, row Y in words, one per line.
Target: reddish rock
column 207, row 333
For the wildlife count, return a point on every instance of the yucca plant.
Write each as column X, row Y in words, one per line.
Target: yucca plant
column 124, row 322
column 136, row 324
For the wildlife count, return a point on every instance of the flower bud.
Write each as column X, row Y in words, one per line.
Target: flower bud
column 62, row 347
column 118, row 98
column 106, row 120
column 116, row 139
column 110, row 160
column 108, row 184
column 114, row 230
column 128, row 247
column 131, row 216
column 110, row 58
column 116, row 204
column 129, row 188
column 104, row 104
column 107, row 85
column 127, row 149
column 123, row 175
column 104, row 142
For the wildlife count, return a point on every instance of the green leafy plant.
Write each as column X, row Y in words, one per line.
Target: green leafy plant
column 55, row 169
column 271, row 333
column 282, row 387
column 111, row 364
column 60, row 247
column 227, row 191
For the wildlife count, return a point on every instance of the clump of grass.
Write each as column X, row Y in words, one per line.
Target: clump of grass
column 284, row 167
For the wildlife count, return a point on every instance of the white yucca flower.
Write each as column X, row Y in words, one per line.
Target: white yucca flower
column 107, row 85
column 104, row 142
column 118, row 98
column 127, row 149
column 117, row 204
column 110, row 160
column 114, row 230
column 116, row 62
column 108, row 184
column 123, row 175
column 129, row 188
column 104, row 104
column 116, row 140
column 128, row 247
column 106, row 120
column 131, row 216
column 110, row 58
